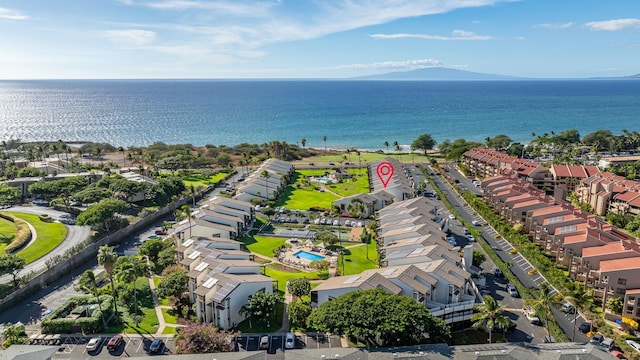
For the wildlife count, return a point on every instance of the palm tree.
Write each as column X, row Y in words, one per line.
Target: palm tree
column 124, row 159
column 266, row 175
column 182, row 213
column 107, row 257
column 127, row 273
column 303, row 142
column 543, row 302
column 88, row 282
column 580, row 299
column 386, row 144
column 489, row 315
column 324, row 138
column 398, row 149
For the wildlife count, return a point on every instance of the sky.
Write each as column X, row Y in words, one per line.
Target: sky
column 118, row 39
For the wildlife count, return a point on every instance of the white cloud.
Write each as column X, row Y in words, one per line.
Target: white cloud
column 402, row 65
column 455, row 35
column 130, row 36
column 221, row 7
column 10, row 14
column 555, row 26
column 613, row 25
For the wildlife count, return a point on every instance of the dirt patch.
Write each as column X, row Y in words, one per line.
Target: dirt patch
column 283, row 268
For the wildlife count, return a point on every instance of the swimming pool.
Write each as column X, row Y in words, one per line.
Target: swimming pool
column 309, row 256
column 324, row 180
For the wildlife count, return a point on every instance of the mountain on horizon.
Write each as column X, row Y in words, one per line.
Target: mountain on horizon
column 436, row 74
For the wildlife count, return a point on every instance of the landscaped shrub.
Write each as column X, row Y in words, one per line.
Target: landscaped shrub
column 323, row 275
column 45, row 218
column 23, row 234
column 57, row 322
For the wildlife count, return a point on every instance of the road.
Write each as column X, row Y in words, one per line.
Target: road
column 75, row 235
column 520, row 266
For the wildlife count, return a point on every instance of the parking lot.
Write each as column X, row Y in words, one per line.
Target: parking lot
column 276, row 342
column 75, row 348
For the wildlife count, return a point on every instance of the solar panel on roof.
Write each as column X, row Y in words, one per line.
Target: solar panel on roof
column 210, row 282
column 203, row 265
column 194, row 254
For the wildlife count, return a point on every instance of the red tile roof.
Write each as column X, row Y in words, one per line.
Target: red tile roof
column 620, row 264
column 602, row 250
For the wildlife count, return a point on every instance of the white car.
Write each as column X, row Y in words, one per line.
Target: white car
column 94, row 344
column 476, row 222
column 452, row 217
column 360, row 224
column 471, row 238
column 634, row 344
column 289, row 341
column 336, row 223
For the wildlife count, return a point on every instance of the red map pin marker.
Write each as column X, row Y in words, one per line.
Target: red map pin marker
column 385, row 172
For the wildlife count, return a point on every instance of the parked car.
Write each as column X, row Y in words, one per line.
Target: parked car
column 634, row 344
column 476, row 222
column 264, row 342
column 618, row 354
column 471, row 238
column 567, row 308
column 596, row 339
column 157, row 346
column 94, row 344
column 497, row 272
column 531, row 316
column 513, row 291
column 336, row 222
column 289, row 341
column 584, row 327
column 452, row 217
column 114, row 342
column 608, row 343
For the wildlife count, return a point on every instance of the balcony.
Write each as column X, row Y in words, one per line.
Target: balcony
column 581, row 277
column 598, row 293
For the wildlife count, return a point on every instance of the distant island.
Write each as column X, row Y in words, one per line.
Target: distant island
column 437, row 74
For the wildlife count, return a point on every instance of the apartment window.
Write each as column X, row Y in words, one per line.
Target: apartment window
column 622, row 281
column 314, row 297
column 620, row 291
column 632, row 298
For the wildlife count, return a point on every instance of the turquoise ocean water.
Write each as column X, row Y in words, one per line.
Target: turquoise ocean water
column 360, row 114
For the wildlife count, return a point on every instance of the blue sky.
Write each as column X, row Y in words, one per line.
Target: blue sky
column 66, row 39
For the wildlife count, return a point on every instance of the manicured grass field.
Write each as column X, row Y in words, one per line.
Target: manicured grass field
column 7, row 233
column 169, row 330
column 366, row 157
column 197, row 179
column 274, row 324
column 351, row 187
column 355, row 259
column 262, row 245
column 284, row 276
column 302, row 197
column 148, row 322
column 49, row 235
column 169, row 316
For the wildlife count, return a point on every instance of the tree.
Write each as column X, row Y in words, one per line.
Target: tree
column 107, row 257
column 9, row 195
column 260, row 307
column 174, row 284
column 88, row 282
column 542, row 303
column 299, row 287
column 269, row 212
column 152, row 248
column 615, row 304
column 478, row 258
column 580, row 298
column 299, row 312
column 124, row 159
column 394, row 320
column 184, row 213
column 303, row 142
column 266, row 175
column 489, row 315
column 324, row 138
column 92, row 194
column 102, row 214
column 126, row 272
column 203, row 339
column 327, row 237
column 498, row 142
column 320, row 265
column 356, row 208
column 386, row 144
column 11, row 264
column 424, row 142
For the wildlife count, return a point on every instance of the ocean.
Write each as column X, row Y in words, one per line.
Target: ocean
column 359, row 114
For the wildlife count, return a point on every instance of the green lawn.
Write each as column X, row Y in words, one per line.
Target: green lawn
column 169, row 316
column 148, row 323
column 196, row 179
column 7, row 233
column 169, row 330
column 357, row 185
column 49, row 235
column 283, row 275
column 366, row 157
column 262, row 245
column 355, row 259
column 274, row 325
column 301, row 195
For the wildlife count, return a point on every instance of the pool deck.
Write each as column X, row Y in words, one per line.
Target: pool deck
column 287, row 256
